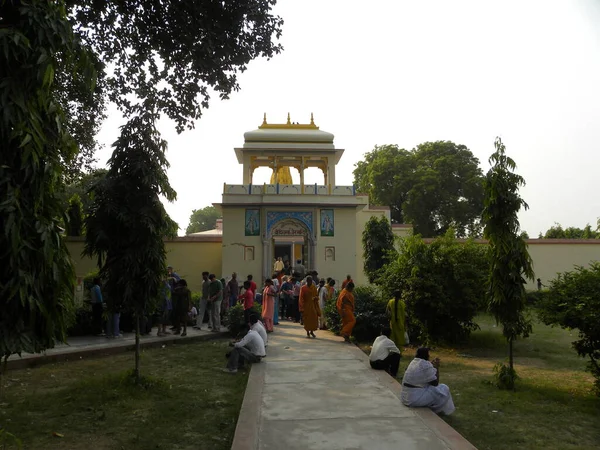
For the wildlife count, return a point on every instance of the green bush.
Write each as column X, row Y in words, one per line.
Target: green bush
column 443, row 285
column 573, row 302
column 535, row 298
column 82, row 324
column 369, row 309
column 235, row 318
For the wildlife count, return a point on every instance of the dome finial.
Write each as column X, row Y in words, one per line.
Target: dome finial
column 288, row 119
column 312, row 119
column 265, row 119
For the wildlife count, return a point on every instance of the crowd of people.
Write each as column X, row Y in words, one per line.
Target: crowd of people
column 298, row 297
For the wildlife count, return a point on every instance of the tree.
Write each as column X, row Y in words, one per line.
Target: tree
column 509, row 258
column 128, row 222
column 556, row 231
column 81, row 185
column 442, row 284
column 436, row 186
column 171, row 53
column 203, row 219
column 573, row 302
column 378, row 245
column 36, row 276
column 75, row 217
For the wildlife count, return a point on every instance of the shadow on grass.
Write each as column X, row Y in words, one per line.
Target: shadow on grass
column 184, row 402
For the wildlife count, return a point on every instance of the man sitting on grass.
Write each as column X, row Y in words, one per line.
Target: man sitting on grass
column 384, row 353
column 250, row 349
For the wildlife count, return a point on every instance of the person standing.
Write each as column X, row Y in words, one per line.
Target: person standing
column 182, row 303
column 287, row 291
column 276, row 288
column 300, row 270
column 215, row 298
column 330, row 289
column 165, row 309
column 247, row 299
column 384, row 354
column 322, row 293
column 233, row 290
column 396, row 312
column 97, row 306
column 203, row 302
column 296, row 300
column 253, row 285
column 345, row 307
column 278, row 266
column 268, row 299
column 309, row 302
column 346, row 281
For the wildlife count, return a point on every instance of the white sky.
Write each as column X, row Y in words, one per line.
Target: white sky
column 405, row 72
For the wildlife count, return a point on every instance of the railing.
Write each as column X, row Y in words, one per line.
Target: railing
column 287, row 189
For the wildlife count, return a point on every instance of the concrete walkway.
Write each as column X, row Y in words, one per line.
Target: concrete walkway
column 322, row 394
column 90, row 346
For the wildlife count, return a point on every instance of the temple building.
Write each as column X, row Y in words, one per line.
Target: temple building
column 320, row 225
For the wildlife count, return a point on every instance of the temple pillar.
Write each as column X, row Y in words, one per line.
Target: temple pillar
column 267, row 266
column 331, row 173
column 302, row 176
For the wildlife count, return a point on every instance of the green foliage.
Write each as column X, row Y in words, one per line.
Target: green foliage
column 535, row 298
column 378, row 245
column 173, row 52
column 235, row 318
column 436, row 186
column 369, row 309
column 557, row 232
column 203, row 219
column 573, row 302
column 509, row 258
column 127, row 222
column 8, row 440
column 75, row 217
column 505, row 376
column 442, row 284
column 81, row 185
column 36, row 278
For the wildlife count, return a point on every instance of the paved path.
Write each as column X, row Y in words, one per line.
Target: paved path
column 86, row 346
column 322, row 394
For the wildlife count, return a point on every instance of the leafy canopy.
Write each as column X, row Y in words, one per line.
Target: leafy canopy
column 573, row 302
column 509, row 259
column 171, row 53
column 36, row 276
column 442, row 284
column 203, row 219
column 556, row 231
column 436, row 186
column 378, row 245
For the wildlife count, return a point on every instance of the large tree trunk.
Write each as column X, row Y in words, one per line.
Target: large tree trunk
column 137, row 348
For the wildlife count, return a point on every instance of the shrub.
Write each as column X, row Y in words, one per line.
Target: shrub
column 535, row 298
column 573, row 302
column 235, row 318
column 369, row 309
column 82, row 323
column 443, row 285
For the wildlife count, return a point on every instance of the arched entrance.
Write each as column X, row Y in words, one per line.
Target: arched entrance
column 289, row 235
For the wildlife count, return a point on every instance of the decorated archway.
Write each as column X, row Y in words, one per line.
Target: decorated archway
column 289, row 234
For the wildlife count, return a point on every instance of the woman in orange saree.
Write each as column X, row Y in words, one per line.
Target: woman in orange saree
column 345, row 307
column 310, row 303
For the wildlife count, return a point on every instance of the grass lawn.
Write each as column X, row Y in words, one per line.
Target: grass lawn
column 554, row 406
column 188, row 403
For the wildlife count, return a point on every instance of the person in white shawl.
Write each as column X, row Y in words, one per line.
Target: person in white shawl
column 420, row 385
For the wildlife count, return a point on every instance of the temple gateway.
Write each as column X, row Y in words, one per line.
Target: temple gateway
column 320, row 225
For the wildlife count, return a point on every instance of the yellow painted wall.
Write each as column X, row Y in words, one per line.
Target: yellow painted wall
column 189, row 258
column 233, row 247
column 550, row 258
column 343, row 241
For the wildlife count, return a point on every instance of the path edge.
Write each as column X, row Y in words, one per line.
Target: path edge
column 42, row 359
column 248, row 423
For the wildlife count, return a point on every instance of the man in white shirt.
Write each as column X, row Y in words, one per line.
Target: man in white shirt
column 384, row 354
column 257, row 326
column 250, row 349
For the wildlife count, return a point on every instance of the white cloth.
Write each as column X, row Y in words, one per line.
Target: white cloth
column 420, row 373
column 260, row 329
column 253, row 342
column 276, row 285
column 382, row 347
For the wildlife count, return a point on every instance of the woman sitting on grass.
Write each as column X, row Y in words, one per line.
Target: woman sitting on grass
column 420, row 385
